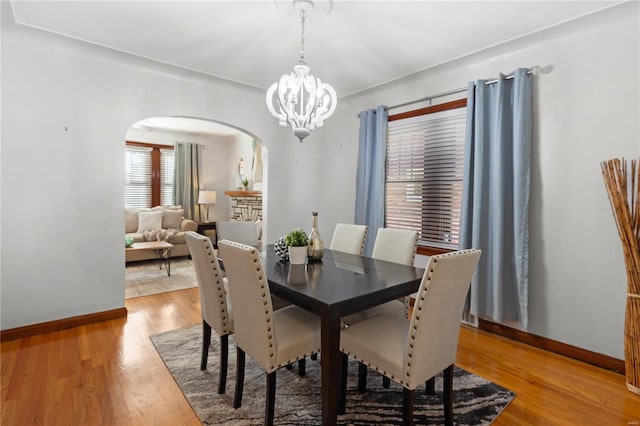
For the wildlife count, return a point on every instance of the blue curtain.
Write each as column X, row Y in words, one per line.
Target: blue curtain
column 187, row 178
column 495, row 206
column 370, row 177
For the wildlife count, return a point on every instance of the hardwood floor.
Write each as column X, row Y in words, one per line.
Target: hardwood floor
column 109, row 373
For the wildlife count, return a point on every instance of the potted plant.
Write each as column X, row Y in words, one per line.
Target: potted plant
column 297, row 241
column 245, row 184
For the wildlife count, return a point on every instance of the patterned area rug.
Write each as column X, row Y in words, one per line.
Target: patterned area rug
column 144, row 278
column 298, row 400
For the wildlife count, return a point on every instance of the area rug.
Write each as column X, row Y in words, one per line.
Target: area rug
column 144, row 278
column 298, row 399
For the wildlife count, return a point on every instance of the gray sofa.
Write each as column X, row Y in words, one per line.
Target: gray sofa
column 171, row 222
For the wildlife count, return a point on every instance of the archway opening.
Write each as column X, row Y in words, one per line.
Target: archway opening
column 181, row 174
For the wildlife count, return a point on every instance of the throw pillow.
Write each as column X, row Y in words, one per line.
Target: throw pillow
column 130, row 219
column 172, row 219
column 149, row 220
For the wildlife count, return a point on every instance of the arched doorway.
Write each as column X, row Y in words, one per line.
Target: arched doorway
column 226, row 155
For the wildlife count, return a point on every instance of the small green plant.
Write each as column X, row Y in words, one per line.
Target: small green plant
column 296, row 238
column 245, row 182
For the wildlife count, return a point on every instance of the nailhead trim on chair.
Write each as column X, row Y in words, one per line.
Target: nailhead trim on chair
column 420, row 301
column 265, row 302
column 364, row 240
column 368, row 364
column 298, row 358
column 407, row 301
column 413, row 336
column 221, row 290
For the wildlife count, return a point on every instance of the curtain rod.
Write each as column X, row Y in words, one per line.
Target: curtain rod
column 428, row 98
column 451, row 92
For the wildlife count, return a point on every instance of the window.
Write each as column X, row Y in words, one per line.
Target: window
column 148, row 175
column 425, row 158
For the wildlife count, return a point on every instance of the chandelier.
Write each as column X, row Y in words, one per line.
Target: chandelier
column 299, row 98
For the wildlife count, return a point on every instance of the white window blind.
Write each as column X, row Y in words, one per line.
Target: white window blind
column 425, row 157
column 137, row 192
column 167, row 165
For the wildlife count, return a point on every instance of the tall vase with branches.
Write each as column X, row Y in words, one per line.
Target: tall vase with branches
column 622, row 179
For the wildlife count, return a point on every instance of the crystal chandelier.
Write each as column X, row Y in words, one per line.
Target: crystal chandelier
column 298, row 98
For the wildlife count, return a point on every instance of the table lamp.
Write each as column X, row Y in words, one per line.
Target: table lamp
column 206, row 198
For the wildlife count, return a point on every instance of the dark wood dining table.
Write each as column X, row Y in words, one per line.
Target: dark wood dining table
column 338, row 285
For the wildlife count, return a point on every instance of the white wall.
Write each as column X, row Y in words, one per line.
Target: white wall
column 216, row 164
column 586, row 110
column 66, row 107
column 242, row 148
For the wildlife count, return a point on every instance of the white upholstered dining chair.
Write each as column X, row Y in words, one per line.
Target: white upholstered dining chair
column 244, row 232
column 391, row 245
column 214, row 303
column 397, row 246
column 349, row 238
column 412, row 351
column 274, row 339
column 248, row 233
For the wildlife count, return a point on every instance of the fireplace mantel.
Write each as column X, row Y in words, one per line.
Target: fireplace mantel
column 240, row 193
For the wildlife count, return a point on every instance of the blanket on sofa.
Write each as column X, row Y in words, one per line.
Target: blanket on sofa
column 159, row 234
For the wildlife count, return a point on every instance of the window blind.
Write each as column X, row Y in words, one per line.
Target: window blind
column 425, row 158
column 167, row 166
column 137, row 192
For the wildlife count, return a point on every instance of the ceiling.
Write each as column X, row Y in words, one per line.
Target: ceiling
column 359, row 45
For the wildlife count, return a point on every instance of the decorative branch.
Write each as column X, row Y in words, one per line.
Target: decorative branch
column 623, row 189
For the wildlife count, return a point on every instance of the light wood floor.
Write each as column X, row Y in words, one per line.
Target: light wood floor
column 109, row 373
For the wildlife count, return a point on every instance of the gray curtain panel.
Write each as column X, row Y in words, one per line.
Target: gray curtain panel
column 187, row 178
column 495, row 205
column 370, row 177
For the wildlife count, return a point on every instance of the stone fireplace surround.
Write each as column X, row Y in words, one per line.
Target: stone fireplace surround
column 245, row 205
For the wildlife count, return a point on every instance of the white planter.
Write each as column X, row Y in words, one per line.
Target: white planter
column 298, row 255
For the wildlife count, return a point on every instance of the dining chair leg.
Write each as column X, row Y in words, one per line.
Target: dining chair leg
column 237, row 400
column 362, row 378
column 447, row 395
column 344, row 364
column 271, row 399
column 386, row 382
column 314, row 357
column 430, row 386
column 206, row 342
column 224, row 360
column 302, row 370
column 407, row 407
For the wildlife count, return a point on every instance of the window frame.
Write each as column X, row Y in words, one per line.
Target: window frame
column 446, row 106
column 156, row 172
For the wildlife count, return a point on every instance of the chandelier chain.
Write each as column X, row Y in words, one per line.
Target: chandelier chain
column 303, row 18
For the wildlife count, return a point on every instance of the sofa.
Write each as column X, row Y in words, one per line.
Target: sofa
column 163, row 222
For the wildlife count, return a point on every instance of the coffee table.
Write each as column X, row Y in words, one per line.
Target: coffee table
column 162, row 251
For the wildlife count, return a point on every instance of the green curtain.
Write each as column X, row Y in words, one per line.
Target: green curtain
column 187, row 178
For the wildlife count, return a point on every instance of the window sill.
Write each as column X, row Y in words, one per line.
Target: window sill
column 431, row 251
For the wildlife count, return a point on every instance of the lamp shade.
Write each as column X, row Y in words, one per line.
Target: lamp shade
column 207, row 197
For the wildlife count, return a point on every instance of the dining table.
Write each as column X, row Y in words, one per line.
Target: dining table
column 337, row 285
